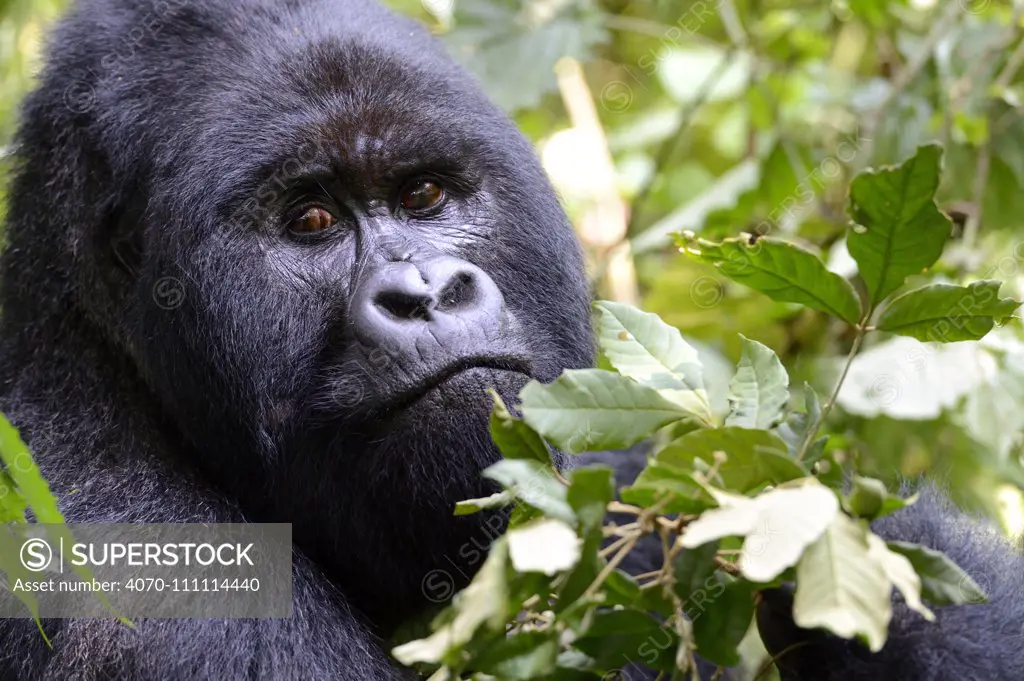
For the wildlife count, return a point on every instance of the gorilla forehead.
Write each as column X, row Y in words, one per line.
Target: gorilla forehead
column 405, row 119
column 323, row 79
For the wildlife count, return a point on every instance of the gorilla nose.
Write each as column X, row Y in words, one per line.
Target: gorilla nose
column 452, row 299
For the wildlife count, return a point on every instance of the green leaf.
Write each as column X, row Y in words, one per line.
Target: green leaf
column 899, row 229
column 693, row 568
column 945, row 313
column 675, row 489
column 760, row 389
column 639, row 345
column 840, row 588
column 869, row 499
column 620, row 588
column 24, row 472
column 590, row 490
column 589, row 409
column 752, row 457
column 874, row 12
column 900, row 573
column 26, row 484
column 484, row 603
column 617, row 636
column 943, row 582
column 496, row 500
column 783, row 271
column 12, row 504
column 866, row 497
column 794, row 429
column 523, row 657
column 10, row 548
column 719, row 631
column 582, row 576
column 535, row 484
column 514, row 438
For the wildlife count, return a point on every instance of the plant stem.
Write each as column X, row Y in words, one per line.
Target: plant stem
column 619, row 507
column 610, row 567
column 618, row 543
column 686, row 118
column 826, row 409
column 981, row 172
column 943, row 26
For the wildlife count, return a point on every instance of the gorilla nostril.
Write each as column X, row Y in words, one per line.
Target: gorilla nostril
column 460, row 291
column 441, row 292
column 404, row 305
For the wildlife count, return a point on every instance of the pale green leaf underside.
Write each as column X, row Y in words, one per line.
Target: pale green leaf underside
column 760, row 389
column 590, row 409
column 841, row 588
column 643, row 347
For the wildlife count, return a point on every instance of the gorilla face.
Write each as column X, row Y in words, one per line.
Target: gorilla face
column 360, row 246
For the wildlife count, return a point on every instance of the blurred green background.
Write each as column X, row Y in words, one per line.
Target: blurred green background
column 730, row 116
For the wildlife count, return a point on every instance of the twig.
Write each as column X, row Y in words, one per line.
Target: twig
column 726, row 566
column 732, row 24
column 1013, row 64
column 981, row 170
column 667, row 148
column 618, row 543
column 907, row 75
column 612, row 564
column 772, row 660
column 620, row 530
column 984, row 162
column 812, row 430
column 619, row 507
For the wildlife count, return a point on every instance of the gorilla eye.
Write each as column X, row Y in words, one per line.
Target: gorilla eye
column 313, row 221
column 421, row 195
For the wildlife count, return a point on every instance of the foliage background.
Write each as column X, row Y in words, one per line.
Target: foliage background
column 729, row 116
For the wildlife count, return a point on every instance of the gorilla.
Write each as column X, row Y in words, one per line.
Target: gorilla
column 263, row 259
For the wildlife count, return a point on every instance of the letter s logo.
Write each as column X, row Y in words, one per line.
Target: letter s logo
column 36, row 555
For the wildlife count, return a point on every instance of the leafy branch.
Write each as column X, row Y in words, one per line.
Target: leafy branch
column 738, row 502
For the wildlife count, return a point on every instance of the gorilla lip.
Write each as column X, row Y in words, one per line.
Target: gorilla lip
column 509, row 363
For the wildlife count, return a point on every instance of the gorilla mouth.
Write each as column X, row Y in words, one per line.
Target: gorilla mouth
column 415, row 392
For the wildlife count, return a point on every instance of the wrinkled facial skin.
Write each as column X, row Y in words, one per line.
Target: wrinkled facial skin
column 345, row 367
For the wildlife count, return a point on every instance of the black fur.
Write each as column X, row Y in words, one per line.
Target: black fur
column 172, row 355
